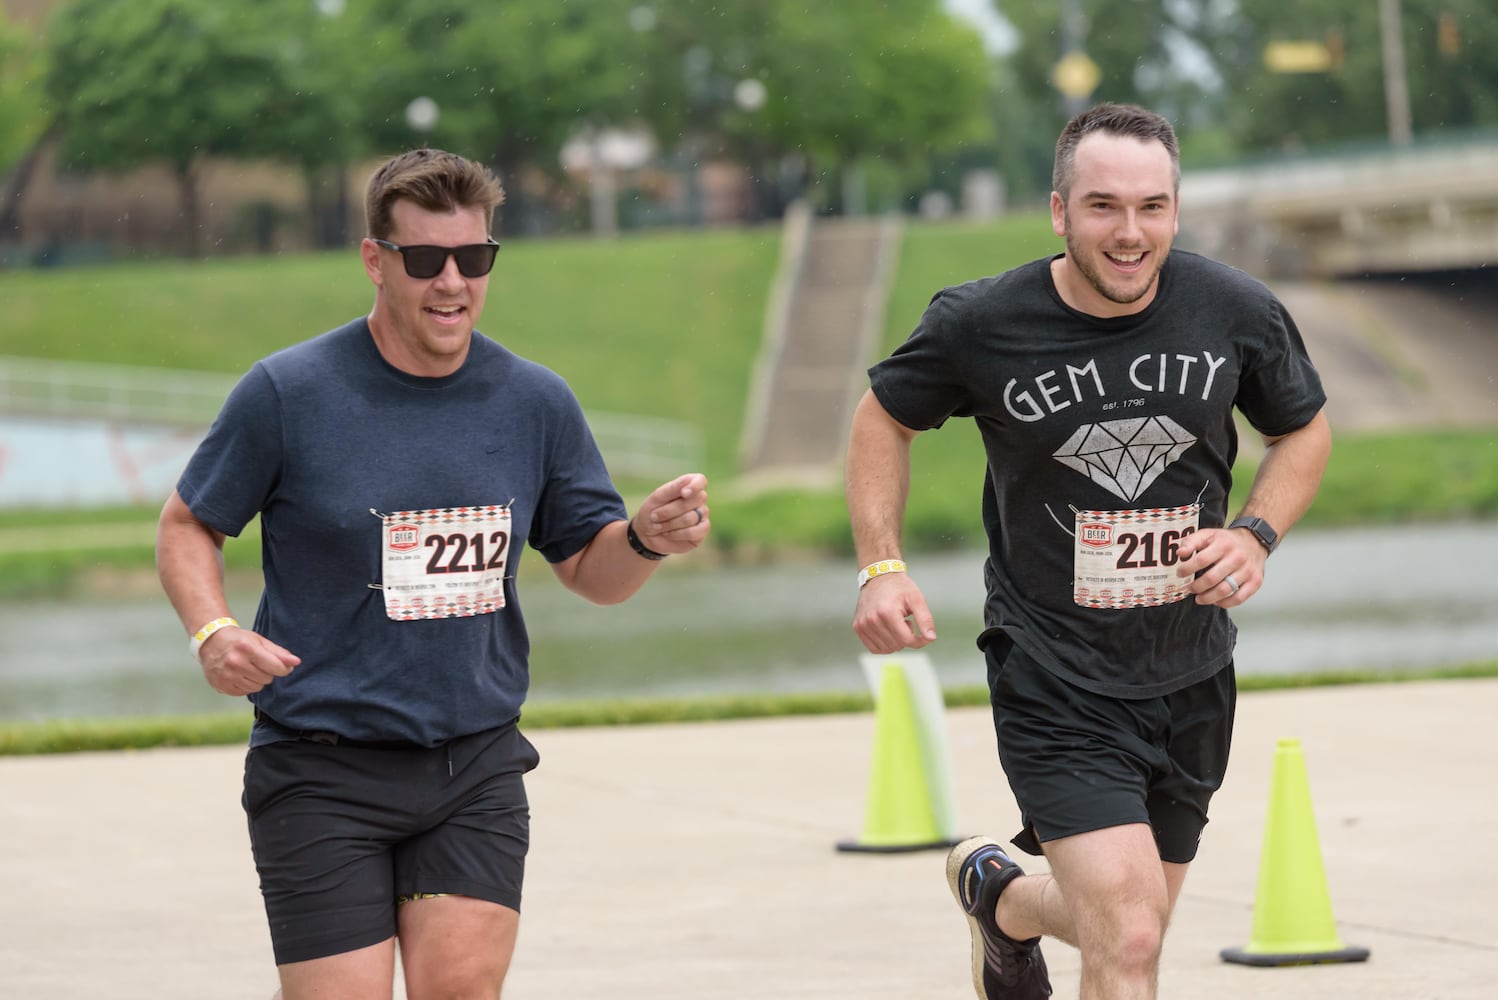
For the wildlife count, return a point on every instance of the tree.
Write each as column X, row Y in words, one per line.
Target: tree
column 513, row 82
column 510, row 82
column 23, row 124
column 165, row 81
column 21, row 116
column 913, row 82
column 1203, row 64
column 895, row 82
column 324, row 62
column 1149, row 52
column 1452, row 73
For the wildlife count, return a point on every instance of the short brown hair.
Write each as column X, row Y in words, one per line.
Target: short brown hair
column 1112, row 119
column 436, row 180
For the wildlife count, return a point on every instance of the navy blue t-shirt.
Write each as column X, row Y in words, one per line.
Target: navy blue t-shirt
column 321, row 438
column 1130, row 417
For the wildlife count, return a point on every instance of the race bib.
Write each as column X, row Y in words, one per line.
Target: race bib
column 1127, row 558
column 447, row 562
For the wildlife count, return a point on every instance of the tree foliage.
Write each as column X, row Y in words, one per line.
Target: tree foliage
column 1147, row 52
column 1451, row 71
column 509, row 82
column 1202, row 63
column 167, row 82
column 514, row 81
column 24, row 124
column 324, row 84
column 22, row 117
column 896, row 82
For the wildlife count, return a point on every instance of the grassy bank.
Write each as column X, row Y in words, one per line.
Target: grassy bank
column 664, row 325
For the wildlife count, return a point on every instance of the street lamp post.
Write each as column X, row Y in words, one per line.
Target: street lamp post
column 1396, row 87
column 1075, row 75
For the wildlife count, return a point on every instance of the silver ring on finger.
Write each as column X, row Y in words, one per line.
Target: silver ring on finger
column 1231, row 583
column 698, row 512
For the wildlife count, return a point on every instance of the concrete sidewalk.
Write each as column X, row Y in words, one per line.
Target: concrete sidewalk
column 694, row 861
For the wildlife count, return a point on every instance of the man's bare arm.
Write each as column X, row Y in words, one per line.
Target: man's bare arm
column 190, row 563
column 892, row 614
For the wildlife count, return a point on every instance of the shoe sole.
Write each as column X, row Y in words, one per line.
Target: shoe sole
column 955, row 859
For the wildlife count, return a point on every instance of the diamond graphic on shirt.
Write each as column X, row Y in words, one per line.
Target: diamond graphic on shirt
column 1125, row 456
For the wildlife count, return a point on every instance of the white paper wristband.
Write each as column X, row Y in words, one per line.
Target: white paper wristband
column 199, row 637
column 879, row 569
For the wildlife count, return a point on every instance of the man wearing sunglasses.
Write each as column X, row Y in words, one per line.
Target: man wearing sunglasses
column 396, row 464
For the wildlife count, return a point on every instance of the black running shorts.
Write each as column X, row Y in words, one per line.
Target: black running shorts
column 1078, row 761
column 339, row 832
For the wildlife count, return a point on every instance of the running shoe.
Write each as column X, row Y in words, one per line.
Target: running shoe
column 1003, row 968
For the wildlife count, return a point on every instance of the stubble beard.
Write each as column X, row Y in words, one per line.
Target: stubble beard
column 1095, row 277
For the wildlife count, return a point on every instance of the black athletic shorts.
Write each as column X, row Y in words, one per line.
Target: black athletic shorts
column 1078, row 761
column 340, row 832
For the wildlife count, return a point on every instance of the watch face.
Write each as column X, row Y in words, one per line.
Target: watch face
column 1261, row 530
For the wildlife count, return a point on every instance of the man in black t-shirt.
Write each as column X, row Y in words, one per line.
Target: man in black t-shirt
column 1103, row 382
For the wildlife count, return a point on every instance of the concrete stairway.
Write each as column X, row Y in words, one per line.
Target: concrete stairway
column 822, row 330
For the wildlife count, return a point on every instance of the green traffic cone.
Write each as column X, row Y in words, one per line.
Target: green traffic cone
column 1293, row 922
column 900, row 815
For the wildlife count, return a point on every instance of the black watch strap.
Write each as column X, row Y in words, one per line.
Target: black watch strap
column 1260, row 529
column 639, row 546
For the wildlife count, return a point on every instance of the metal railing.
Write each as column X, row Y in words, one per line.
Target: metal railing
column 633, row 446
column 647, row 447
column 84, row 391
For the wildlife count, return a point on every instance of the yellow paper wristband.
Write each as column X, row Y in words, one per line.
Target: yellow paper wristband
column 201, row 635
column 879, row 569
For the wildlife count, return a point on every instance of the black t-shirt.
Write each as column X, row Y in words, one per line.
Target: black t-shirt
column 1102, row 434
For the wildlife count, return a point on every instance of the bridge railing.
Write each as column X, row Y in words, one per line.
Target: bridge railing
column 632, row 445
column 1384, row 209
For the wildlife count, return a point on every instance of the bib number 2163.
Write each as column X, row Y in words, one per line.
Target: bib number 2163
column 1127, row 558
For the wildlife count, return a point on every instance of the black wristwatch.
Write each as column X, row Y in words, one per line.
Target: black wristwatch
column 1260, row 529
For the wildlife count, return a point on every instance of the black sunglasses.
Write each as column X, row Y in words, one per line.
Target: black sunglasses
column 426, row 261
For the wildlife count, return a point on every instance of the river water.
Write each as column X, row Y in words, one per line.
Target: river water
column 1410, row 598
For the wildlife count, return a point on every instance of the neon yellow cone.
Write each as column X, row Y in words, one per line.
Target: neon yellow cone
column 1293, row 923
column 899, row 815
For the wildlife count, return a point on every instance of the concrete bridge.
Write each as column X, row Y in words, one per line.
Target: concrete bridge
column 1385, row 210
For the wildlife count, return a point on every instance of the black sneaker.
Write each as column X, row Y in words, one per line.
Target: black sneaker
column 1003, row 968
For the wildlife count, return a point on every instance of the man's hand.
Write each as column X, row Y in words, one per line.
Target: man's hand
column 892, row 615
column 674, row 518
column 1227, row 563
column 237, row 661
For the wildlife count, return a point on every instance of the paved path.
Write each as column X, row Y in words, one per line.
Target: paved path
column 692, row 861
